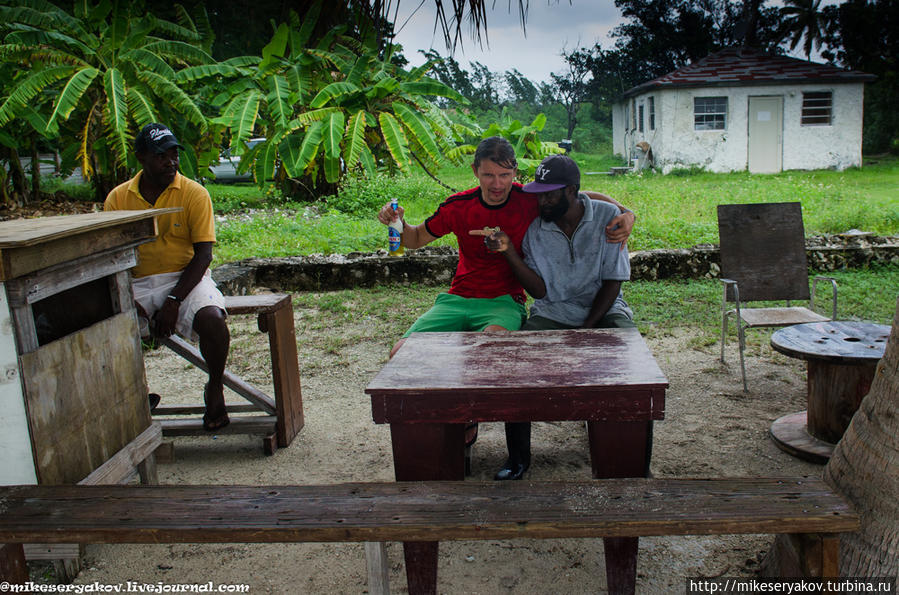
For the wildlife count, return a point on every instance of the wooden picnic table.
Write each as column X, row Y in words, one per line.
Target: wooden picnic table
column 437, row 383
column 842, row 357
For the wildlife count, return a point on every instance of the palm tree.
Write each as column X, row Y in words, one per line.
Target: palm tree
column 104, row 72
column 864, row 469
column 803, row 20
column 327, row 106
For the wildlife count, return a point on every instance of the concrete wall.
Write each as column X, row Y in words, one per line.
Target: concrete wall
column 436, row 265
column 675, row 143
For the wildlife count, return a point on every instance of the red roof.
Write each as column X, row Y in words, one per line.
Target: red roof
column 749, row 66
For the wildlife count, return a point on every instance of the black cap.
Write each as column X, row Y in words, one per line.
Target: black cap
column 554, row 172
column 155, row 138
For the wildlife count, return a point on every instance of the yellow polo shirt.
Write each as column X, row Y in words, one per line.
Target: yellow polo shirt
column 177, row 232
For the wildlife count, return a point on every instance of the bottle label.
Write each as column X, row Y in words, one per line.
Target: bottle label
column 393, row 239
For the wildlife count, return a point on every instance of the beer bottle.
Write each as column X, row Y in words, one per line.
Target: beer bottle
column 394, row 231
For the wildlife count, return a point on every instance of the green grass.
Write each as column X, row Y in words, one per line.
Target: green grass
column 674, row 211
column 658, row 306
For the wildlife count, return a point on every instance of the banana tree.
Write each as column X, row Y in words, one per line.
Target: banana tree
column 110, row 69
column 529, row 149
column 329, row 106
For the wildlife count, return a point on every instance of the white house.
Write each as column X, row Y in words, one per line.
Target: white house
column 740, row 109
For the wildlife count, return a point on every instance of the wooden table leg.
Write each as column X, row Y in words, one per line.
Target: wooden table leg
column 426, row 452
column 12, row 564
column 620, row 449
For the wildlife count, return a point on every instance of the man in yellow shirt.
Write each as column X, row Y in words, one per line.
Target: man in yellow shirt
column 172, row 285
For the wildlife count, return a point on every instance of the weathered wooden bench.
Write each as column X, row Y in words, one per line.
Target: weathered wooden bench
column 283, row 417
column 805, row 509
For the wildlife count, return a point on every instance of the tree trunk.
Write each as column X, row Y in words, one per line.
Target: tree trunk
column 17, row 176
column 864, row 469
column 35, row 170
column 572, row 120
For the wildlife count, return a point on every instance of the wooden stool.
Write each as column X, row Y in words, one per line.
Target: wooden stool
column 284, row 412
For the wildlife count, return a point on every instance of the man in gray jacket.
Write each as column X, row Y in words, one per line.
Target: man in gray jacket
column 569, row 267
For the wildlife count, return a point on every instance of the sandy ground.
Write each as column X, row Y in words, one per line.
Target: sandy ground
column 711, row 429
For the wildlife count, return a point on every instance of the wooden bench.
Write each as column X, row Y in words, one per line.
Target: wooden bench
column 283, row 417
column 805, row 509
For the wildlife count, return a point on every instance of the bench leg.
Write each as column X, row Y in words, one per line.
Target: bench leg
column 621, row 564
column 809, row 555
column 378, row 568
column 12, row 564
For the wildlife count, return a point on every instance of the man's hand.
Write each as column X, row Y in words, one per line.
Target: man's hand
column 495, row 239
column 619, row 229
column 165, row 319
column 387, row 215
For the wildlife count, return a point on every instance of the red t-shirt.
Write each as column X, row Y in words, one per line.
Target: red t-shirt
column 483, row 274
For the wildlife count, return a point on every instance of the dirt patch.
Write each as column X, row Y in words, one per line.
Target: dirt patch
column 711, row 428
column 47, row 207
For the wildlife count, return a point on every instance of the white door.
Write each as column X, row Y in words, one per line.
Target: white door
column 765, row 134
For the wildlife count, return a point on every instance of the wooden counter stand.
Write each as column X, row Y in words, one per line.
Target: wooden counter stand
column 74, row 396
column 284, row 414
column 842, row 357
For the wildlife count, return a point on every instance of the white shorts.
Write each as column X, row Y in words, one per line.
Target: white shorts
column 151, row 291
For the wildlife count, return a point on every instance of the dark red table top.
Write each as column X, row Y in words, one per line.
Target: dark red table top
column 592, row 374
column 843, row 342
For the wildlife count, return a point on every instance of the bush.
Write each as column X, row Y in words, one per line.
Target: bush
column 358, row 196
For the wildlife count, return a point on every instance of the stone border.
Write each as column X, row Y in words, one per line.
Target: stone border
column 436, row 265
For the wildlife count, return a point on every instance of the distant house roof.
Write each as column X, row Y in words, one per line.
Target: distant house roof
column 749, row 66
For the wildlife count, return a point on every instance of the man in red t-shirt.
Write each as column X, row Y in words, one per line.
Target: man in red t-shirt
column 484, row 295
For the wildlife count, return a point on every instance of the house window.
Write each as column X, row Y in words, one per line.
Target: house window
column 709, row 113
column 633, row 114
column 652, row 113
column 640, row 118
column 817, row 108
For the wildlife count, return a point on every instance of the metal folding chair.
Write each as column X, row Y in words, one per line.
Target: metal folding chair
column 763, row 259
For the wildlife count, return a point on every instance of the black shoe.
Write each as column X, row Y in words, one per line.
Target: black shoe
column 511, row 471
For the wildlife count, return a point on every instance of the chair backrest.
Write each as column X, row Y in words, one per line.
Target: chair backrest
column 763, row 250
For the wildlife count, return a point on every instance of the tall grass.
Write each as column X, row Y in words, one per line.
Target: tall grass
column 673, row 211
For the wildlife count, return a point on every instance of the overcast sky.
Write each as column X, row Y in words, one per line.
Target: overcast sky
column 551, row 27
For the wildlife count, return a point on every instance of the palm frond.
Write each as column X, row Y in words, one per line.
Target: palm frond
column 332, row 137
column 420, row 129
column 26, row 90
column 395, row 139
column 355, row 138
column 116, row 112
column 278, row 99
column 37, row 39
column 43, row 15
column 71, row 94
column 179, row 51
column 141, row 108
column 202, row 71
column 307, row 118
column 309, row 148
column 145, row 60
column 176, row 31
column 244, row 118
column 432, row 87
column 331, row 92
column 242, row 62
column 175, row 96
